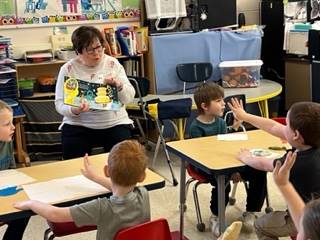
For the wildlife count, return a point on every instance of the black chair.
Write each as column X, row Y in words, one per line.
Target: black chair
column 170, row 110
column 193, row 72
column 141, row 86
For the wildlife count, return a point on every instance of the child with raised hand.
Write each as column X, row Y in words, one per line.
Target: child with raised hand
column 209, row 98
column 306, row 218
column 128, row 205
column 15, row 228
column 302, row 132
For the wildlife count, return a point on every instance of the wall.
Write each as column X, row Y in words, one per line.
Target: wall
column 37, row 37
column 251, row 10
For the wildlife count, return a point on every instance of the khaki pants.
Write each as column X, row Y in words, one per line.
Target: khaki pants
column 274, row 225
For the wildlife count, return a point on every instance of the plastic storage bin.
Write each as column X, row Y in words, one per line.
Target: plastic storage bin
column 240, row 74
column 26, row 87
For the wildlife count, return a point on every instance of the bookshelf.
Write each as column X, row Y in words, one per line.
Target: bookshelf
column 133, row 65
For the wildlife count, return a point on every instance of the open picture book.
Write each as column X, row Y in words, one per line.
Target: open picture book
column 99, row 96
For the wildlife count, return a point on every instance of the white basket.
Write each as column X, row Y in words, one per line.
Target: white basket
column 157, row 9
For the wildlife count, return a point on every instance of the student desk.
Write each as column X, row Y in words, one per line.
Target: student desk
column 217, row 158
column 266, row 90
column 63, row 169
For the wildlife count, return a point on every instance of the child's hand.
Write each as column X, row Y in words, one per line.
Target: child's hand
column 235, row 177
column 237, row 109
column 281, row 173
column 244, row 154
column 88, row 170
column 23, row 205
column 236, row 124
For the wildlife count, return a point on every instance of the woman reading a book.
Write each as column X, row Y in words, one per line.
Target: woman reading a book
column 84, row 126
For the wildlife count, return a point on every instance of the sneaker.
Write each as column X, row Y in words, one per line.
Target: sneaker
column 214, row 225
column 248, row 219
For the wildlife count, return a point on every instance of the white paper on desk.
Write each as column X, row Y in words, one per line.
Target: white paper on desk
column 233, row 137
column 61, row 189
column 14, row 177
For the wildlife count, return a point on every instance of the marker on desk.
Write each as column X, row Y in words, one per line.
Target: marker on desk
column 9, row 190
column 277, row 148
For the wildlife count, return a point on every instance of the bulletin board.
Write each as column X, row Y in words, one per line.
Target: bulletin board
column 14, row 12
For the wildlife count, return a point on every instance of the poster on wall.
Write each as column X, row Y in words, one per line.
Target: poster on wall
column 36, row 8
column 7, row 8
column 113, row 5
column 69, row 7
column 130, row 4
column 93, row 6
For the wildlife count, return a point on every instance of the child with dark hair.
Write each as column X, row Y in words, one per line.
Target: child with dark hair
column 15, row 228
column 209, row 98
column 128, row 206
column 302, row 132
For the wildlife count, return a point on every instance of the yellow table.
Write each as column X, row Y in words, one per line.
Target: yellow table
column 266, row 90
column 217, row 158
column 63, row 169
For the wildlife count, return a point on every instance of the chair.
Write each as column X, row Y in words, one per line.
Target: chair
column 64, row 229
column 153, row 230
column 193, row 72
column 170, row 110
column 141, row 86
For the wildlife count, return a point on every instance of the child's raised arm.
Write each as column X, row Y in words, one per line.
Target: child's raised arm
column 265, row 124
column 90, row 172
column 281, row 177
column 49, row 212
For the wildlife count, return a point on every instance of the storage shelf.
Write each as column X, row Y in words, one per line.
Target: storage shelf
column 40, row 94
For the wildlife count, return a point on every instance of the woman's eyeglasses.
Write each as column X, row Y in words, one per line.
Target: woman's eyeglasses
column 91, row 51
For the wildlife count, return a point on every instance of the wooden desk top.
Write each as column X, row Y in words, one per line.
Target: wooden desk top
column 63, row 169
column 213, row 156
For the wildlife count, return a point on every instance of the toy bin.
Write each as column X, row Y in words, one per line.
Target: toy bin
column 240, row 74
column 26, row 87
column 46, row 83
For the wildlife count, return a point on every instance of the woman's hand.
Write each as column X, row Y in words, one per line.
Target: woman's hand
column 84, row 107
column 114, row 82
column 237, row 108
column 88, row 170
column 281, row 174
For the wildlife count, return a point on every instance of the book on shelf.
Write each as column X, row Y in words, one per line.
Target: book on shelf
column 98, row 96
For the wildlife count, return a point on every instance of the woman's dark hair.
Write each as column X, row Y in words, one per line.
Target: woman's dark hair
column 84, row 36
column 311, row 220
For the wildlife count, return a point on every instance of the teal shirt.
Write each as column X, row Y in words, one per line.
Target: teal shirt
column 200, row 129
column 6, row 155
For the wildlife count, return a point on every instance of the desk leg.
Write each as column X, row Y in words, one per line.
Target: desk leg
column 264, row 108
column 181, row 129
column 221, row 202
column 182, row 196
